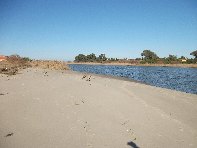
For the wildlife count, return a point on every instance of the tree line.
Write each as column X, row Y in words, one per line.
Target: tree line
column 147, row 56
column 91, row 58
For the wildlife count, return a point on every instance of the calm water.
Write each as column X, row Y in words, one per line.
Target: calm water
column 181, row 79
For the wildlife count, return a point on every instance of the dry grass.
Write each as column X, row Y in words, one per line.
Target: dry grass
column 47, row 64
column 14, row 63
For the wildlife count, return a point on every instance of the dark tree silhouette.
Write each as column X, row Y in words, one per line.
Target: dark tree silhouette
column 80, row 58
column 149, row 56
column 194, row 53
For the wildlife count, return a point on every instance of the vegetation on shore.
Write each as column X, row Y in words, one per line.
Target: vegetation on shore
column 147, row 57
column 49, row 64
column 14, row 63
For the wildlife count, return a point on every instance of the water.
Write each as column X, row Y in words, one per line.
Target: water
column 181, row 79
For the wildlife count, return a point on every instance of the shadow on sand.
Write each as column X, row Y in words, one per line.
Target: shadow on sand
column 132, row 144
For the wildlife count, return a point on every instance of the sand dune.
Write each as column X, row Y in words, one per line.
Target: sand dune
column 45, row 108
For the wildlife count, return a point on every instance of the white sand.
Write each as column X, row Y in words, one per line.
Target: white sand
column 65, row 111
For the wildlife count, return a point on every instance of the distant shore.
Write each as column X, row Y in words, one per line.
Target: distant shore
column 129, row 64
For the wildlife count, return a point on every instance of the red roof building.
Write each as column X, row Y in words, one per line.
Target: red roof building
column 2, row 58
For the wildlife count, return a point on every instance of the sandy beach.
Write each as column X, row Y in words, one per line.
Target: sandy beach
column 42, row 108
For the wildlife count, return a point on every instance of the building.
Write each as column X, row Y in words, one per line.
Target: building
column 184, row 60
column 2, row 58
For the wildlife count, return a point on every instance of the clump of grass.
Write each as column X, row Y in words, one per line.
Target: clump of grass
column 13, row 63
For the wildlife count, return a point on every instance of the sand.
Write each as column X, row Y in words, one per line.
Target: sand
column 47, row 109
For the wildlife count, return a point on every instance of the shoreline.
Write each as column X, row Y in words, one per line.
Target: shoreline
column 110, row 77
column 128, row 64
column 126, row 79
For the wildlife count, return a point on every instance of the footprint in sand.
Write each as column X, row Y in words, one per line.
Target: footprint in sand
column 129, row 130
column 83, row 77
column 89, row 79
column 2, row 94
column 89, row 134
column 10, row 134
column 77, row 102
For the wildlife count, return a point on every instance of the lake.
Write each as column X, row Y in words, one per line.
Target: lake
column 176, row 78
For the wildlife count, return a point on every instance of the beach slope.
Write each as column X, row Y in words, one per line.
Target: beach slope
column 48, row 108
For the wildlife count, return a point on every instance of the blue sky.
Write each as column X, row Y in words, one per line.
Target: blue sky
column 61, row 29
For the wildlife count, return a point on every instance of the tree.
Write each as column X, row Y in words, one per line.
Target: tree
column 149, row 56
column 80, row 58
column 101, row 58
column 26, row 59
column 172, row 58
column 91, row 57
column 194, row 53
column 182, row 57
